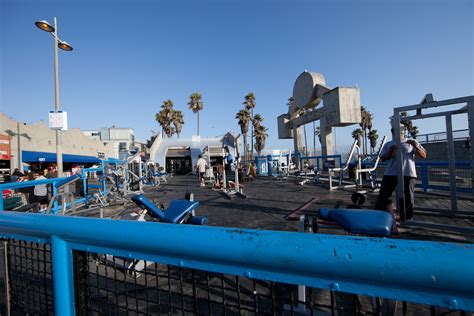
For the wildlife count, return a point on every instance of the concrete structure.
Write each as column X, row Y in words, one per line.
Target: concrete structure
column 341, row 108
column 39, row 138
column 122, row 139
column 181, row 154
column 94, row 135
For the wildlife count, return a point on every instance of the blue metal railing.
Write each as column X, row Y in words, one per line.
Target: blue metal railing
column 424, row 174
column 461, row 134
column 320, row 159
column 19, row 185
column 424, row 272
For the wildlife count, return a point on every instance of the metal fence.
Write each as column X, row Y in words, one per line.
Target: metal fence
column 91, row 266
column 435, row 175
column 462, row 134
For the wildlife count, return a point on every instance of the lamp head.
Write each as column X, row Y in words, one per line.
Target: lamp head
column 45, row 26
column 65, row 46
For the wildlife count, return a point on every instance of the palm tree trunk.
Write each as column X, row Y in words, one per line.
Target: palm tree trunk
column 251, row 149
column 198, row 122
column 245, row 146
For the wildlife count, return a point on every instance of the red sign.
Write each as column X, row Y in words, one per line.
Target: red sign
column 5, row 147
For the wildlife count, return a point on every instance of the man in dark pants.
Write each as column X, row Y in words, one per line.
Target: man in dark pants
column 410, row 148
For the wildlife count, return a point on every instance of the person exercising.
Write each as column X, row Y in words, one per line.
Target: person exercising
column 410, row 148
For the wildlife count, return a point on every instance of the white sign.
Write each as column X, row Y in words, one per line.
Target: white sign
column 58, row 120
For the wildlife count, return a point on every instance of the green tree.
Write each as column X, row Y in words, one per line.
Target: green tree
column 260, row 138
column 243, row 117
column 196, row 105
column 357, row 135
column 165, row 117
column 178, row 121
column 373, row 136
column 365, row 124
column 411, row 129
column 317, row 133
column 250, row 104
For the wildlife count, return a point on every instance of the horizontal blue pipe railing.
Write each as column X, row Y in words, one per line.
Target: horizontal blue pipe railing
column 424, row 175
column 25, row 184
column 433, row 273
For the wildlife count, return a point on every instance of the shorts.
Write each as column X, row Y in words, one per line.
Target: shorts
column 201, row 175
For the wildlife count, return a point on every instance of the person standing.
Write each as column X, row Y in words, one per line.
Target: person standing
column 201, row 165
column 41, row 191
column 410, row 148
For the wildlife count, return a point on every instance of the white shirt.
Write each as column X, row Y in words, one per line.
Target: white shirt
column 408, row 164
column 201, row 165
column 40, row 190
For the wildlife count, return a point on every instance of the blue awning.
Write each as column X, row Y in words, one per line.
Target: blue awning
column 38, row 156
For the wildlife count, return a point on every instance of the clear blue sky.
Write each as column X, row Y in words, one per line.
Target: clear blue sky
column 131, row 55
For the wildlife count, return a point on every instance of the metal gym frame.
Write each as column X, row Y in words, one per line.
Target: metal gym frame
column 429, row 103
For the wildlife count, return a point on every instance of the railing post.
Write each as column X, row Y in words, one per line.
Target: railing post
column 424, row 177
column 63, row 279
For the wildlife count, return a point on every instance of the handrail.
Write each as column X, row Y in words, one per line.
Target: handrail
column 25, row 184
column 424, row 272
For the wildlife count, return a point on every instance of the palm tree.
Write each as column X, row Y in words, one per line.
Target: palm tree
column 412, row 129
column 165, row 117
column 256, row 124
column 178, row 121
column 373, row 136
column 365, row 124
column 260, row 138
column 244, row 119
column 196, row 105
column 317, row 133
column 257, row 120
column 249, row 103
column 357, row 135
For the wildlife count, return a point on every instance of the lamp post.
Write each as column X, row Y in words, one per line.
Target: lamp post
column 53, row 30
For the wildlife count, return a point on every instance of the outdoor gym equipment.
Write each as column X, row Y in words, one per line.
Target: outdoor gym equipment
column 134, row 175
column 370, row 170
column 63, row 195
column 360, row 221
column 236, row 189
column 177, row 212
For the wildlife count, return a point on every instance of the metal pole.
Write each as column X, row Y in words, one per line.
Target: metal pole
column 470, row 119
column 452, row 161
column 59, row 154
column 399, row 163
column 18, row 144
column 63, row 280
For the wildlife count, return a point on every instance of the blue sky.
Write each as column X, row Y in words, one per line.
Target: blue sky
column 131, row 55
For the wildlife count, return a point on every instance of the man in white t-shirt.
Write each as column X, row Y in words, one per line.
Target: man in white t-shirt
column 201, row 165
column 410, row 148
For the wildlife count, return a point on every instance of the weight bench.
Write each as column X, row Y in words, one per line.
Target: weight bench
column 177, row 212
column 360, row 221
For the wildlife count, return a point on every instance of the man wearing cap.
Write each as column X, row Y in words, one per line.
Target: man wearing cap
column 410, row 148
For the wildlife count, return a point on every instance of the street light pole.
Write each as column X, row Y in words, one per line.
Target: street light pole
column 45, row 26
column 59, row 149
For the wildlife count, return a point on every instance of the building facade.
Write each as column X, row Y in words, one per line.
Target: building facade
column 35, row 144
column 120, row 138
